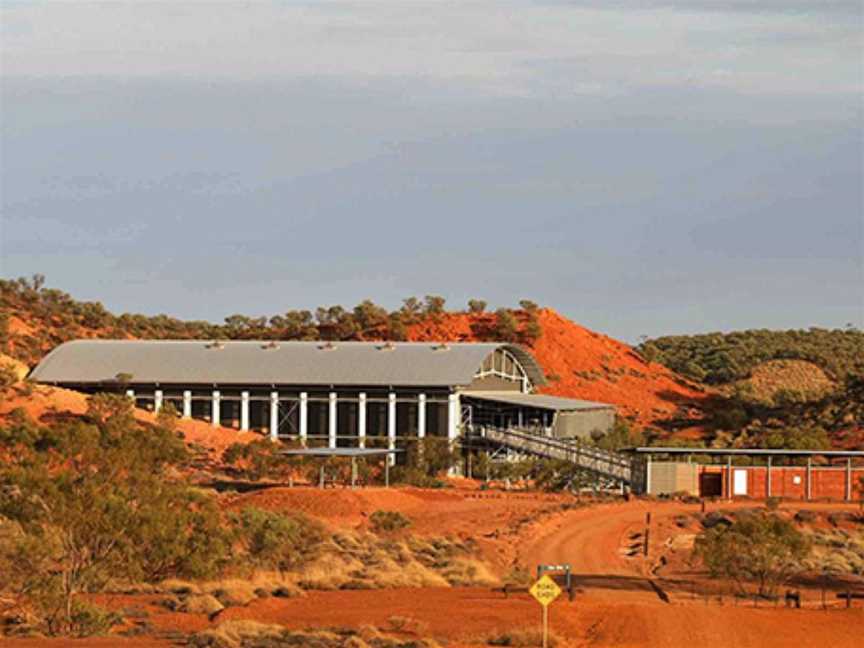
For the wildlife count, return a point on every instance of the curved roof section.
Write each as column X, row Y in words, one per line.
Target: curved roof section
column 263, row 362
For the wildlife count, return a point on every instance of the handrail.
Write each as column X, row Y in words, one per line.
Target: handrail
column 605, row 462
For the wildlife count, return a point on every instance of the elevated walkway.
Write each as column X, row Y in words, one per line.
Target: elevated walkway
column 604, row 463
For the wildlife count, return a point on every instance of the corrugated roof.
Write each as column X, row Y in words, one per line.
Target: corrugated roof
column 267, row 363
column 540, row 401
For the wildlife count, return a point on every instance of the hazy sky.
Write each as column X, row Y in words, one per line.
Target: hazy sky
column 645, row 167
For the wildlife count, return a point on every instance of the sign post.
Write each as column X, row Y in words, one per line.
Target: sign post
column 545, row 590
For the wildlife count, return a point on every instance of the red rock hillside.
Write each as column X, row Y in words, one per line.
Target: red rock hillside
column 586, row 365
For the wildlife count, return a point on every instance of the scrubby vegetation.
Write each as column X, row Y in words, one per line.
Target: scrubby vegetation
column 718, row 358
column 85, row 502
column 756, row 548
column 52, row 317
column 251, row 634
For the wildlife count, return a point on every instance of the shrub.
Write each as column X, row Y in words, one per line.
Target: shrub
column 476, row 306
column 388, row 521
column 759, row 548
column 276, row 540
column 258, row 460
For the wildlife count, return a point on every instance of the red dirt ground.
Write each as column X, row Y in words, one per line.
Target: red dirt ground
column 615, row 604
column 586, row 365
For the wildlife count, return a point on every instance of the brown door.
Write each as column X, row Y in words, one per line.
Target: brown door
column 710, row 485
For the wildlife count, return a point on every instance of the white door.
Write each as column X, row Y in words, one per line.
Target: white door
column 740, row 483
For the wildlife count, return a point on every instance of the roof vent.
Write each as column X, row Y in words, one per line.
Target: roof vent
column 387, row 346
column 272, row 344
column 441, row 347
column 216, row 344
column 327, row 346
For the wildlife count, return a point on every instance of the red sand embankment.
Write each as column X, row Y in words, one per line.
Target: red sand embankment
column 583, row 364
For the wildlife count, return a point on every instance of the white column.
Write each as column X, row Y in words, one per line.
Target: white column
column 391, row 426
column 331, row 419
column 130, row 393
column 274, row 416
column 187, row 404
column 361, row 420
column 157, row 400
column 453, row 416
column 304, row 416
column 214, row 411
column 244, row 411
column 421, row 416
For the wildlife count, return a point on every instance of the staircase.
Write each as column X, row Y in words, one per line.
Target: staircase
column 604, row 463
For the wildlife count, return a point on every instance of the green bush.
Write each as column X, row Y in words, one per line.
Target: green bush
column 759, row 548
column 277, row 541
column 388, row 521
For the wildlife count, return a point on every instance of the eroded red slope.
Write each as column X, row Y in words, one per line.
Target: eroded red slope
column 583, row 364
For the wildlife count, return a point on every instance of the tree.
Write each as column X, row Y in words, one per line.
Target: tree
column 528, row 306
column 506, row 328
column 434, row 306
column 369, row 316
column 411, row 310
column 757, row 547
column 476, row 306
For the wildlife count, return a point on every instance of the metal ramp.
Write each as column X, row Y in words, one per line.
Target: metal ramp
column 604, row 463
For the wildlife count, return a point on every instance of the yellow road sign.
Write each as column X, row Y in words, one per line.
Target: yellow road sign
column 545, row 590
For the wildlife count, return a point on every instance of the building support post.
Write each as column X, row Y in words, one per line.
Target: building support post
column 214, row 410
column 244, row 411
column 187, row 404
column 648, row 475
column 304, row 417
column 421, row 416
column 453, row 417
column 808, row 487
column 768, row 479
column 391, row 426
column 729, row 490
column 157, row 400
column 361, row 420
column 848, row 479
column 332, row 411
column 274, row 416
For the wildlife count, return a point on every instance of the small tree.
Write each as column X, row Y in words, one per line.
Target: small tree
column 506, row 328
column 434, row 306
column 476, row 306
column 528, row 306
column 759, row 548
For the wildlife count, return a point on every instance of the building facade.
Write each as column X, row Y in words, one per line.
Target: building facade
column 336, row 394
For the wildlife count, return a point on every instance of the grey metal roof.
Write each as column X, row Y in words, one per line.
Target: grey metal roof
column 265, row 363
column 746, row 452
column 540, row 401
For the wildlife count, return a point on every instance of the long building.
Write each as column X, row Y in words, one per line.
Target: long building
column 336, row 394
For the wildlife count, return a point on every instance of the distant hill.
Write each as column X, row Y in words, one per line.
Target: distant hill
column 722, row 358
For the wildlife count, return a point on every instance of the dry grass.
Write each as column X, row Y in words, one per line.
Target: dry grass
column 522, row 638
column 201, row 604
column 237, row 634
column 231, row 592
column 177, row 586
column 365, row 561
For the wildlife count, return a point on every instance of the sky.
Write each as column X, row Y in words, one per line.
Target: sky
column 645, row 167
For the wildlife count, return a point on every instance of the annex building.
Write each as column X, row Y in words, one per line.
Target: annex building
column 331, row 394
